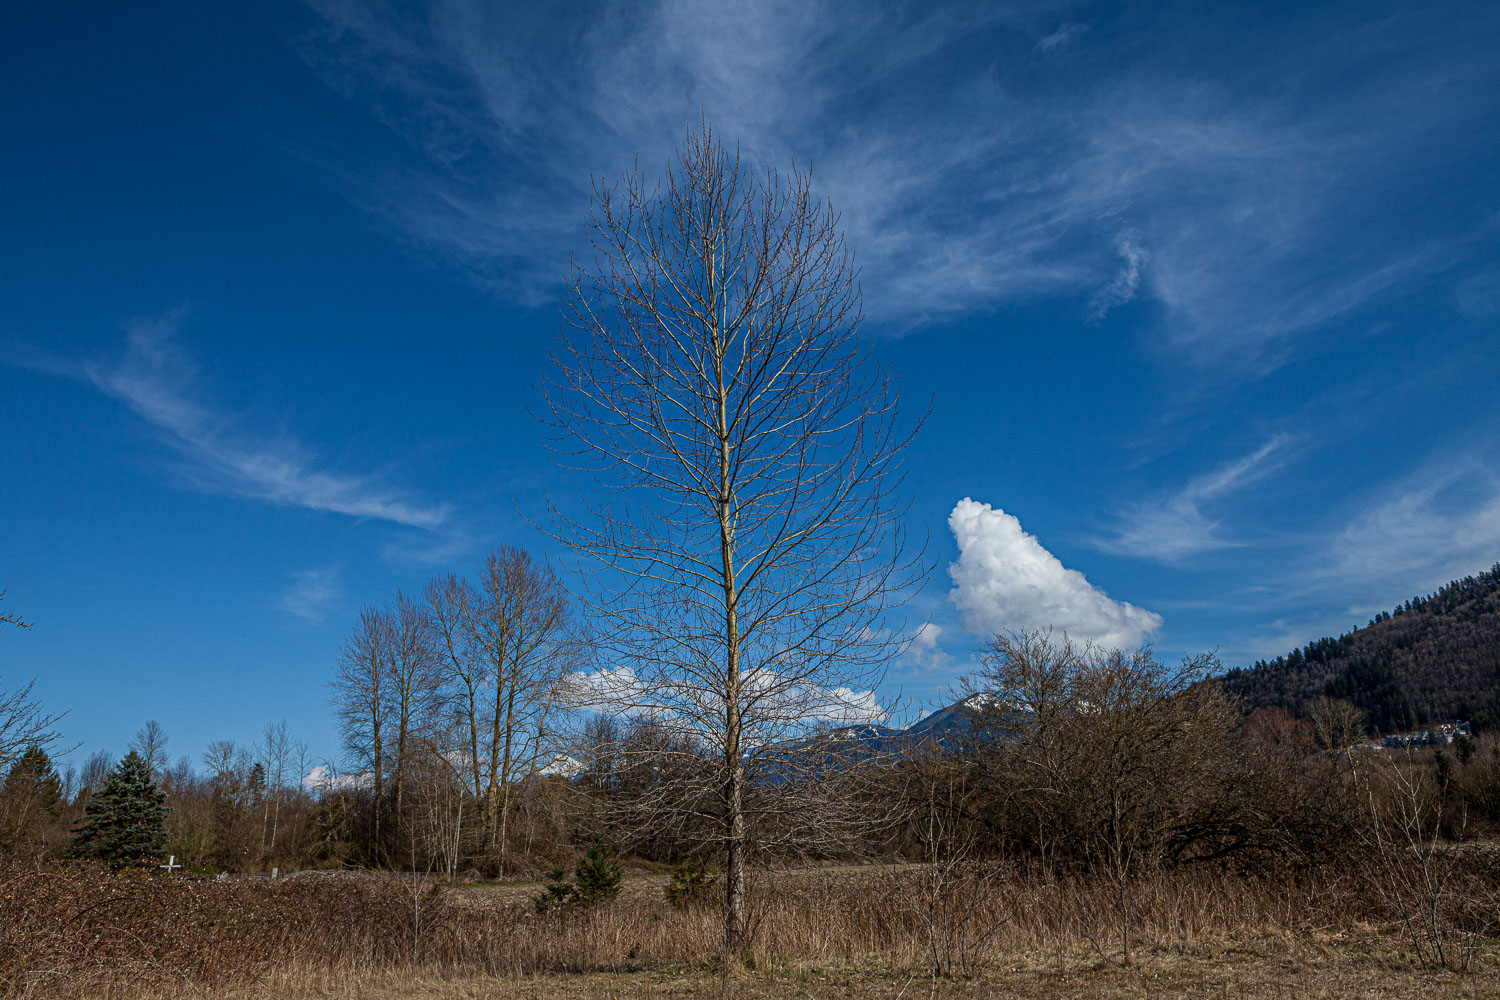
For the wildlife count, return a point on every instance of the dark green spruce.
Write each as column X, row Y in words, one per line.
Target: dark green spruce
column 124, row 824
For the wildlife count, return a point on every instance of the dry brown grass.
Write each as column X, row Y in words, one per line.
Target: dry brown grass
column 75, row 933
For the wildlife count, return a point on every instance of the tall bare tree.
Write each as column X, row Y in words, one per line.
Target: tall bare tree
column 504, row 645
column 278, row 752
column 747, row 458
column 451, row 602
column 363, row 703
column 413, row 680
column 520, row 623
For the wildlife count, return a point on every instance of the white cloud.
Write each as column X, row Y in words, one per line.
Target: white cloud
column 841, row 706
column 1122, row 289
column 311, row 593
column 1174, row 527
column 159, row 385
column 1004, row 579
column 924, row 651
column 609, row 691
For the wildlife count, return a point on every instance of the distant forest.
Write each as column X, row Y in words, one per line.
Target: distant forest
column 1431, row 659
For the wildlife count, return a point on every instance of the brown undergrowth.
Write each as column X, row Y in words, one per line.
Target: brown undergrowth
column 73, row 932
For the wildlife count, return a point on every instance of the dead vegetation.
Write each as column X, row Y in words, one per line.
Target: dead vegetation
column 75, row 932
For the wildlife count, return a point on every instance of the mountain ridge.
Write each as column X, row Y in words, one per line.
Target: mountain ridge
column 1431, row 659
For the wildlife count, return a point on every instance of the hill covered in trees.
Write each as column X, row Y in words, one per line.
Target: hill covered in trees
column 1430, row 659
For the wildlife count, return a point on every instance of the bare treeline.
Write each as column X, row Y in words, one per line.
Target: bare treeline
column 444, row 702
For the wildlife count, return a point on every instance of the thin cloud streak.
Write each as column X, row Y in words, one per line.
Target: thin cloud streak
column 1173, row 528
column 158, row 385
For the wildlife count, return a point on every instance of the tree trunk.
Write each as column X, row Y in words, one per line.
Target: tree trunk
column 734, row 786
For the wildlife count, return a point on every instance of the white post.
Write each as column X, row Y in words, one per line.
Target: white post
column 171, row 864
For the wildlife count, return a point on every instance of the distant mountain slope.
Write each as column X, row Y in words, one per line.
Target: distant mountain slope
column 1432, row 659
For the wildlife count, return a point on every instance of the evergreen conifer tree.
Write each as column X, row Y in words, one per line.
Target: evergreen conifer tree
column 33, row 778
column 597, row 877
column 125, row 823
column 30, row 796
column 596, row 880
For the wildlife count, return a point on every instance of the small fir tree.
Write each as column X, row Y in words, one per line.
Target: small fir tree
column 597, row 877
column 692, row 885
column 558, row 892
column 125, row 823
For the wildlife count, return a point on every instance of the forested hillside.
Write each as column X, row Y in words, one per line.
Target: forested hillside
column 1431, row 659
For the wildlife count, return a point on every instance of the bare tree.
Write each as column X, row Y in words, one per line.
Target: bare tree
column 96, row 771
column 24, row 724
column 1110, row 752
column 363, row 704
column 413, row 681
column 232, row 793
column 1446, row 907
column 451, row 604
column 279, row 753
column 1339, row 725
column 520, row 625
column 151, row 743
column 748, row 459
column 10, row 618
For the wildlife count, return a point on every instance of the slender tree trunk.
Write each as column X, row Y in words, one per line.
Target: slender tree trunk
column 734, row 814
column 505, row 775
column 378, row 753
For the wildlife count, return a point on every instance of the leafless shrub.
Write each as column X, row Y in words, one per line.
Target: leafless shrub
column 1447, row 906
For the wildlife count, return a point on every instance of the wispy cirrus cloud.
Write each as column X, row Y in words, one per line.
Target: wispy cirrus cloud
column 156, row 382
column 312, row 593
column 1066, row 33
column 1434, row 525
column 1173, row 527
column 964, row 182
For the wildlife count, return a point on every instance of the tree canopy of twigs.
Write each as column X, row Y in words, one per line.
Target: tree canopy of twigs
column 745, row 527
column 24, row 724
column 10, row 617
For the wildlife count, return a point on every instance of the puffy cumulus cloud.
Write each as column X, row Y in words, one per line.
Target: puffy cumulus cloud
column 1005, row 579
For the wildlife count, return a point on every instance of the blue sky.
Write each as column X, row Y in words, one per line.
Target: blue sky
column 1205, row 299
